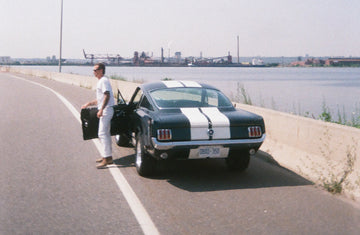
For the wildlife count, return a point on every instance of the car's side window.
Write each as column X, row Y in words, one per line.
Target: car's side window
column 145, row 103
column 223, row 101
column 212, row 98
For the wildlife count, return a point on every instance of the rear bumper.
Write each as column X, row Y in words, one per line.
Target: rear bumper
column 238, row 143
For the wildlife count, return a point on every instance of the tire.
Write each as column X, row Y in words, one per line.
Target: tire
column 145, row 164
column 122, row 140
column 238, row 160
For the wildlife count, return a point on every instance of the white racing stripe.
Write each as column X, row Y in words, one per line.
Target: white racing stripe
column 198, row 122
column 171, row 84
column 190, row 84
column 220, row 123
column 199, row 130
column 143, row 218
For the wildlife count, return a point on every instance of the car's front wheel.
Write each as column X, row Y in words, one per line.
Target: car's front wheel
column 238, row 160
column 145, row 164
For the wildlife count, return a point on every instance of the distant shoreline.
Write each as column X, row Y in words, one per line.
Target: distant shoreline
column 274, row 65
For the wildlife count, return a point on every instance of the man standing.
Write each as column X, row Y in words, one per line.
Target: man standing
column 104, row 101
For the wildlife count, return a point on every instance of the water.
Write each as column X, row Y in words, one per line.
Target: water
column 302, row 91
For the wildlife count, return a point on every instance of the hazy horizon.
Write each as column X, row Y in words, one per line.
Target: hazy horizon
column 266, row 28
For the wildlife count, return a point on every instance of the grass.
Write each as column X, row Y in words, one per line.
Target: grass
column 135, row 80
column 121, row 78
column 335, row 182
column 84, row 86
column 138, row 80
column 241, row 95
column 332, row 175
column 117, row 77
column 326, row 115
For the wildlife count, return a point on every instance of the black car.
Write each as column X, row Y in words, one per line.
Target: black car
column 182, row 120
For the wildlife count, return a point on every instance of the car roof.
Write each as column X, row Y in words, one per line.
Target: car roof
column 173, row 84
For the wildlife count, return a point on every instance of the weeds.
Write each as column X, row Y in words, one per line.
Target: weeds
column 330, row 177
column 120, row 78
column 273, row 104
column 334, row 184
column 241, row 95
column 137, row 80
column 326, row 114
column 84, row 86
column 342, row 119
column 117, row 77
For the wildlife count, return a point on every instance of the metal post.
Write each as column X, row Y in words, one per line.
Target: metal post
column 61, row 35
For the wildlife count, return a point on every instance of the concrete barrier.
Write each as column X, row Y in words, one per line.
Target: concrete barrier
column 319, row 151
column 126, row 88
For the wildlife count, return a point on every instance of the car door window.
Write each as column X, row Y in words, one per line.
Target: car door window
column 120, row 98
column 137, row 97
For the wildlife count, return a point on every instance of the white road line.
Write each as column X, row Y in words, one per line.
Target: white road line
column 135, row 204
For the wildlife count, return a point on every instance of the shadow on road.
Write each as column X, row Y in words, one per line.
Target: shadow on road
column 212, row 174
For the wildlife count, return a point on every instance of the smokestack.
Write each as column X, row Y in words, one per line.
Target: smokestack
column 162, row 55
column 238, row 49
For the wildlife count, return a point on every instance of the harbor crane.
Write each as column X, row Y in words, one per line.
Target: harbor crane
column 113, row 59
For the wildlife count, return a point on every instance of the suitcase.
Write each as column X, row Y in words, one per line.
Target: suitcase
column 90, row 121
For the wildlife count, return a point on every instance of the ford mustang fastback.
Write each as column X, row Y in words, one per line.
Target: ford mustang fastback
column 184, row 120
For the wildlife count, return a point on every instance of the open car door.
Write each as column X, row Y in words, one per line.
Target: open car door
column 90, row 121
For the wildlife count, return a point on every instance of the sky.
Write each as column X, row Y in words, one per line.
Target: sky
column 268, row 28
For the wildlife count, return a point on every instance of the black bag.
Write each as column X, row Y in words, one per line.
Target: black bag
column 90, row 121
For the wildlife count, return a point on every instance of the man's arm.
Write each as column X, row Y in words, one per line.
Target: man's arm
column 91, row 103
column 105, row 102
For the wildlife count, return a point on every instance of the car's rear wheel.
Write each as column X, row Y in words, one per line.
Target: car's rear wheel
column 145, row 164
column 238, row 160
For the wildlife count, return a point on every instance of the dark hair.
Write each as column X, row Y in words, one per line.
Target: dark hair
column 101, row 66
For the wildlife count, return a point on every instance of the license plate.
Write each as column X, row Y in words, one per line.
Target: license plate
column 209, row 152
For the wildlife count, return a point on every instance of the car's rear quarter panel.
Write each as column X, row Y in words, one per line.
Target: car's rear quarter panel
column 181, row 128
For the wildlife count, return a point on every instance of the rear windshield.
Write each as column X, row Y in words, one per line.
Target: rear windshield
column 185, row 97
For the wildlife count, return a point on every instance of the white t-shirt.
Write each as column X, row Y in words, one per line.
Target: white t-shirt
column 104, row 85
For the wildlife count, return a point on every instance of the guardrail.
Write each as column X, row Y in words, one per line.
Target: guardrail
column 319, row 151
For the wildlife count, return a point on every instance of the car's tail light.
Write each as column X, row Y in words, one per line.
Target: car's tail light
column 164, row 134
column 254, row 131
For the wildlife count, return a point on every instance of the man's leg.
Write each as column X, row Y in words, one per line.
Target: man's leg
column 105, row 138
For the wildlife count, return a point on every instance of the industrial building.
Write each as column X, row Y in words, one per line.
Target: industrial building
column 350, row 61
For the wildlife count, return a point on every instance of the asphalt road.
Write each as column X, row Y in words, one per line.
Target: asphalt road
column 49, row 183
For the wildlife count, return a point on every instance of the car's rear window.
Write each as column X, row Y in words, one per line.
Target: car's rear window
column 189, row 97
